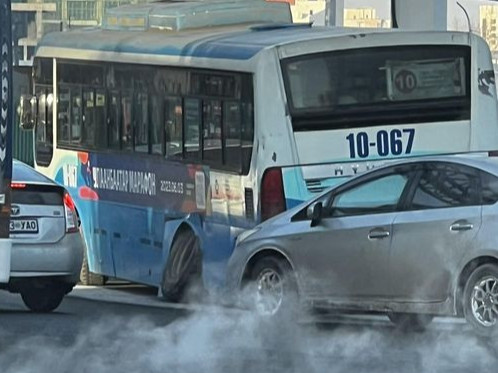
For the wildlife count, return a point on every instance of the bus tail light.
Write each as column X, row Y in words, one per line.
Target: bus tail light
column 70, row 214
column 272, row 193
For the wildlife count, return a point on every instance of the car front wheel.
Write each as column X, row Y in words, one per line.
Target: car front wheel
column 273, row 288
column 42, row 300
column 480, row 299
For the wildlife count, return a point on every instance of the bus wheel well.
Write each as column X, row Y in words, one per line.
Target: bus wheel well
column 182, row 228
column 182, row 275
column 257, row 257
column 464, row 276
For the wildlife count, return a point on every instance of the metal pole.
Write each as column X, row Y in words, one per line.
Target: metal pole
column 394, row 17
column 6, row 117
column 334, row 13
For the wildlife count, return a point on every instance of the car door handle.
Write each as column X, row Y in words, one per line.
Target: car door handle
column 376, row 234
column 461, row 227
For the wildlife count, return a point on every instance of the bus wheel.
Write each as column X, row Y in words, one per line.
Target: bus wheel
column 87, row 277
column 183, row 269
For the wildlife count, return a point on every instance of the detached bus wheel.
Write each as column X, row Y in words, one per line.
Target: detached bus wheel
column 183, row 268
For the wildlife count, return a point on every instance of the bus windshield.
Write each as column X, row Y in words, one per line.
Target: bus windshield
column 378, row 86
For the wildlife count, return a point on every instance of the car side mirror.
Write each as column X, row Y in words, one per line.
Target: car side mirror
column 314, row 213
column 27, row 112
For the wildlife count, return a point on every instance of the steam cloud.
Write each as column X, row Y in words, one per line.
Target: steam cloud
column 222, row 340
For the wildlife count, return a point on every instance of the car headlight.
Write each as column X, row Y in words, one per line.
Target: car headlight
column 246, row 234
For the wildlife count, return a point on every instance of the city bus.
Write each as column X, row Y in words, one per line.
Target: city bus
column 176, row 126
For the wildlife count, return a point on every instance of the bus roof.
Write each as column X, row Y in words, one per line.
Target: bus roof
column 239, row 42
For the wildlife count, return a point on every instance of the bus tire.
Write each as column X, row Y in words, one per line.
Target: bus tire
column 183, row 268
column 88, row 278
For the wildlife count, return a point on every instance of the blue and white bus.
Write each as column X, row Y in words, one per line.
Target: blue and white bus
column 177, row 125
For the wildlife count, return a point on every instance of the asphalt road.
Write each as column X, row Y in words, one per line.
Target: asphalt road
column 95, row 336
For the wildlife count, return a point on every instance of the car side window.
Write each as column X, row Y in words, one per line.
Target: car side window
column 445, row 185
column 374, row 196
column 489, row 188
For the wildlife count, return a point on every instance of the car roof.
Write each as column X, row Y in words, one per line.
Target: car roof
column 479, row 160
column 23, row 173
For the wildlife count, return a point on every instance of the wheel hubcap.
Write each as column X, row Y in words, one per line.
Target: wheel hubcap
column 484, row 301
column 269, row 292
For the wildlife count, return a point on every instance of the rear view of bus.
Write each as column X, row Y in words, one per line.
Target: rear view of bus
column 357, row 101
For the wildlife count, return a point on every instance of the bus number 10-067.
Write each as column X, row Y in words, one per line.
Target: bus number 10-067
column 394, row 142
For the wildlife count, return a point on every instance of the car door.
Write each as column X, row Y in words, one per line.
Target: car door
column 346, row 254
column 442, row 216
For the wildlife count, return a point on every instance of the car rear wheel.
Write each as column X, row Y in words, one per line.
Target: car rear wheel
column 480, row 299
column 273, row 288
column 44, row 299
column 410, row 321
column 183, row 269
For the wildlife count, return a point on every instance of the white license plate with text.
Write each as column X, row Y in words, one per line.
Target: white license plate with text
column 24, row 226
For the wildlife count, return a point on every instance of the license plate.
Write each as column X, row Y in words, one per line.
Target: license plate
column 24, row 226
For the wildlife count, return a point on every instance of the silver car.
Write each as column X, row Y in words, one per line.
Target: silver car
column 47, row 248
column 413, row 239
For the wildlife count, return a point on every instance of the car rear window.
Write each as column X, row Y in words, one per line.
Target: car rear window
column 23, row 173
column 37, row 195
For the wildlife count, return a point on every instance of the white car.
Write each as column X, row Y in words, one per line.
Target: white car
column 47, row 247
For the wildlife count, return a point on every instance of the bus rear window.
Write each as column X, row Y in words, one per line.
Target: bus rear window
column 373, row 86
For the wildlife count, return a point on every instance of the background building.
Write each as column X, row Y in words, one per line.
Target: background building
column 364, row 17
column 487, row 26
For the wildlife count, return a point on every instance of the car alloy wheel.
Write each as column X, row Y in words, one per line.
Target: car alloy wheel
column 480, row 300
column 273, row 289
column 269, row 292
column 484, row 301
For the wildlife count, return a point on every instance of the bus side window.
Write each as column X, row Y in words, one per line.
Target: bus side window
column 173, row 129
column 43, row 130
column 247, row 134
column 156, row 124
column 75, row 116
column 126, row 123
column 63, row 112
column 212, row 131
column 88, row 118
column 141, row 123
column 113, row 120
column 192, row 124
column 232, row 134
column 100, row 113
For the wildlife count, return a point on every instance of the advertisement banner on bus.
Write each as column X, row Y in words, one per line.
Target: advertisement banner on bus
column 138, row 181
